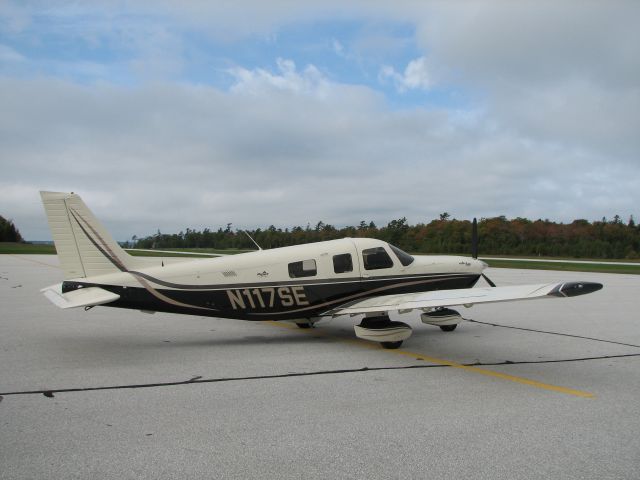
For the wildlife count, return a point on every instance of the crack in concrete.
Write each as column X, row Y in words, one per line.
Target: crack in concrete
column 552, row 333
column 198, row 379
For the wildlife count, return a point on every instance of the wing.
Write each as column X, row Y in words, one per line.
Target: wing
column 83, row 297
column 465, row 296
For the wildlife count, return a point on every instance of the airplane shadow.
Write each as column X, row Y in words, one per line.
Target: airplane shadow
column 105, row 342
column 116, row 349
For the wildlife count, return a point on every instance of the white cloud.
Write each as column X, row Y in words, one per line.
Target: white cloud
column 309, row 81
column 415, row 76
column 176, row 156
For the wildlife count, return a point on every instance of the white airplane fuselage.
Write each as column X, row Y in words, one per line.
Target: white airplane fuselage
column 288, row 283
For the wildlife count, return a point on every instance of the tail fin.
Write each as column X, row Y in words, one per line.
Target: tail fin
column 84, row 247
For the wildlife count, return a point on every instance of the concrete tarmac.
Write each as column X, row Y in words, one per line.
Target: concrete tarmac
column 552, row 391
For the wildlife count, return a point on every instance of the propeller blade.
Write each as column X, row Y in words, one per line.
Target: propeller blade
column 474, row 239
column 488, row 280
column 474, row 248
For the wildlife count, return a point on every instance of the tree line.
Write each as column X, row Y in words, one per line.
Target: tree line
column 8, row 231
column 497, row 236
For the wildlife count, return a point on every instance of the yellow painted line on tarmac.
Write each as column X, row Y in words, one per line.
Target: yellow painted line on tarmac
column 491, row 373
column 440, row 361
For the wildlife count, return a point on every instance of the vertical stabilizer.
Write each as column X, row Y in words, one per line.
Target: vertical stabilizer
column 84, row 247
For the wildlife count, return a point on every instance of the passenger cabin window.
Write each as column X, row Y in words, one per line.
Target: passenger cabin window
column 376, row 258
column 404, row 257
column 342, row 263
column 305, row 268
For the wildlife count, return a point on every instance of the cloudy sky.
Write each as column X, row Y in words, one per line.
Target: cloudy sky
column 171, row 114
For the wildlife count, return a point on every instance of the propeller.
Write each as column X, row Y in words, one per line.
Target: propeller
column 488, row 280
column 474, row 248
column 474, row 238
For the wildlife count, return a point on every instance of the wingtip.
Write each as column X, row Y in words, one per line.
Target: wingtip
column 573, row 289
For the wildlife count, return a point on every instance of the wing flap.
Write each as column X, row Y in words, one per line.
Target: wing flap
column 464, row 296
column 83, row 297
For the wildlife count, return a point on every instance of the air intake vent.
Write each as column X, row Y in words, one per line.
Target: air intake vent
column 229, row 273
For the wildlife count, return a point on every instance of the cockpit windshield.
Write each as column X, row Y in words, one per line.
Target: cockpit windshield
column 404, row 257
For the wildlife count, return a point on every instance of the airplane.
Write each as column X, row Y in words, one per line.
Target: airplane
column 301, row 284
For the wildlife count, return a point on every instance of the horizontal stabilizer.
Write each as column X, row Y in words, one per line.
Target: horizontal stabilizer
column 464, row 296
column 83, row 297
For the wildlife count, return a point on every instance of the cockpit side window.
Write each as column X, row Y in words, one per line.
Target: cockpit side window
column 376, row 258
column 404, row 257
column 305, row 268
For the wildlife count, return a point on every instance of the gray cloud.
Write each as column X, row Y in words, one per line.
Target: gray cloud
column 535, row 42
column 551, row 71
column 552, row 134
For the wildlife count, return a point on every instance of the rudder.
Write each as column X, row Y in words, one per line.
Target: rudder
column 84, row 246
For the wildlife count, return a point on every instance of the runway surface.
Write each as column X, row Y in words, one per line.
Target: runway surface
column 522, row 390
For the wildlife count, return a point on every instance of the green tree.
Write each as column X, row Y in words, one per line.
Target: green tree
column 8, row 231
column 498, row 235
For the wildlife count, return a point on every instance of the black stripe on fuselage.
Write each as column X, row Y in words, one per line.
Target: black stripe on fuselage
column 291, row 282
column 268, row 301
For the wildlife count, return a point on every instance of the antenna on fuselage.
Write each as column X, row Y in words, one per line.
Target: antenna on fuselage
column 251, row 238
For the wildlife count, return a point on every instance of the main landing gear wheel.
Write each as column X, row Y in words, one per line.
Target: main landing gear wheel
column 448, row 328
column 382, row 330
column 445, row 318
column 304, row 325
